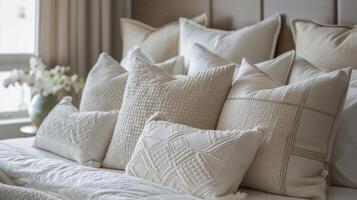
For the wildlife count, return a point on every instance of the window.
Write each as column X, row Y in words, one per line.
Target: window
column 17, row 45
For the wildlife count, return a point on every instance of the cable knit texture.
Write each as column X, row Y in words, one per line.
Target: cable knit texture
column 193, row 100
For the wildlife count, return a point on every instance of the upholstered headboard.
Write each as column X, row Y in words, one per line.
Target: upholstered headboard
column 233, row 14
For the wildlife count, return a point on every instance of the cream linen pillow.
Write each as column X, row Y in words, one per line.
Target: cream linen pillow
column 80, row 136
column 158, row 43
column 105, row 85
column 343, row 168
column 302, row 118
column 204, row 163
column 324, row 46
column 232, row 45
column 193, row 100
column 203, row 59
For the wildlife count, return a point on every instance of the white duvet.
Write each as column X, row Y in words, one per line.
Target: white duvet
column 56, row 178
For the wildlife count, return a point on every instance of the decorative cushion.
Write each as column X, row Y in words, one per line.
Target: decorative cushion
column 302, row 118
column 203, row 59
column 325, row 46
column 343, row 168
column 158, row 43
column 232, row 45
column 203, row 163
column 80, row 136
column 105, row 85
column 193, row 100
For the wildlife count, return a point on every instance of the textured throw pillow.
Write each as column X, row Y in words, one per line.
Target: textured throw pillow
column 105, row 85
column 193, row 100
column 302, row 118
column 203, row 163
column 342, row 167
column 232, row 45
column 203, row 59
column 325, row 46
column 80, row 136
column 158, row 43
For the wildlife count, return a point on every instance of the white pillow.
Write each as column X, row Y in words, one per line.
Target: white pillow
column 302, row 118
column 192, row 100
column 327, row 47
column 80, row 136
column 343, row 168
column 105, row 85
column 203, row 59
column 204, row 163
column 158, row 43
column 232, row 45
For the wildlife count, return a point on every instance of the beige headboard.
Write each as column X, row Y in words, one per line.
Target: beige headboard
column 233, row 14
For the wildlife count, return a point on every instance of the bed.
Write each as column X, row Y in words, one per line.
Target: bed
column 26, row 165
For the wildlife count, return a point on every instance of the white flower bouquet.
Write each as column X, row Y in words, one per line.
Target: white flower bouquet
column 44, row 80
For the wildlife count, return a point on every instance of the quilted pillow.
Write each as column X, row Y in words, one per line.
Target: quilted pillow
column 302, row 118
column 105, row 85
column 203, row 59
column 192, row 100
column 158, row 43
column 343, row 168
column 327, row 47
column 203, row 163
column 80, row 136
column 232, row 45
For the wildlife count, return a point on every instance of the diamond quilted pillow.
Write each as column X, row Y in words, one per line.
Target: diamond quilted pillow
column 203, row 163
column 105, row 85
column 193, row 100
column 303, row 120
column 79, row 136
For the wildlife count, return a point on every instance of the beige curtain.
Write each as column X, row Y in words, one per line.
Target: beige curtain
column 75, row 32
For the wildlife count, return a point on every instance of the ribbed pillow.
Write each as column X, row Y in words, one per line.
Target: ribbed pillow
column 193, row 100
column 203, row 163
column 303, row 120
column 158, row 43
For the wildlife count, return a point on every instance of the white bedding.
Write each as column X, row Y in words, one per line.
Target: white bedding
column 42, row 170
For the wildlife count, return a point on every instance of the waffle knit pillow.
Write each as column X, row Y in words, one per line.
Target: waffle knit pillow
column 203, row 163
column 327, row 47
column 232, row 45
column 203, row 59
column 105, row 85
column 302, row 118
column 158, row 43
column 80, row 136
column 193, row 100
column 342, row 167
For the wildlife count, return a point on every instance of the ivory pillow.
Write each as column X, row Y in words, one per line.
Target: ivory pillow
column 80, row 136
column 232, row 45
column 158, row 43
column 302, row 118
column 324, row 46
column 343, row 168
column 204, row 163
column 203, row 59
column 192, row 100
column 105, row 85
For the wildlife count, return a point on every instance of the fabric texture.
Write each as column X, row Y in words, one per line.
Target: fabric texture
column 343, row 168
column 303, row 120
column 203, row 163
column 80, row 136
column 158, row 43
column 15, row 193
column 232, row 45
column 192, row 100
column 105, row 85
column 326, row 47
column 203, row 59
